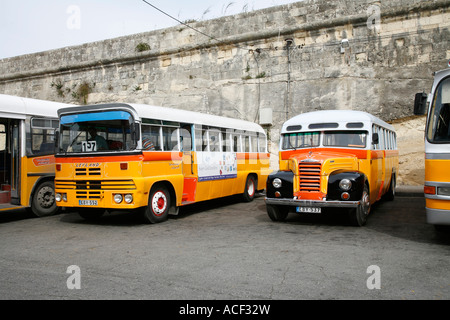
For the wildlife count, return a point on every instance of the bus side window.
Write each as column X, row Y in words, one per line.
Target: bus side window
column 170, row 139
column 253, row 143
column 43, row 136
column 262, row 144
column 226, row 141
column 186, row 138
column 246, row 143
column 236, row 138
column 151, row 134
column 200, row 140
column 214, row 140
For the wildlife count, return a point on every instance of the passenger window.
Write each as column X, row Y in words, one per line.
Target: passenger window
column 186, row 138
column 226, row 141
column 236, row 142
column 214, row 140
column 151, row 138
column 254, row 143
column 246, row 143
column 170, row 139
column 43, row 135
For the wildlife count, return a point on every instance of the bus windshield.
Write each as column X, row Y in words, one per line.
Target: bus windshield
column 348, row 139
column 96, row 132
column 439, row 126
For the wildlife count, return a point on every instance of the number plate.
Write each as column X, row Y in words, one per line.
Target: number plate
column 309, row 209
column 87, row 202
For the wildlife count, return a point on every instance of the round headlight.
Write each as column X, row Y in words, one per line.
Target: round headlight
column 117, row 198
column 58, row 197
column 345, row 184
column 276, row 183
column 128, row 198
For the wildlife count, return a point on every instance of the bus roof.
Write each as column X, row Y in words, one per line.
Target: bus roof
column 301, row 122
column 171, row 114
column 18, row 107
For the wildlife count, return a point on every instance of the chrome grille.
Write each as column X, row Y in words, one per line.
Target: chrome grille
column 310, row 176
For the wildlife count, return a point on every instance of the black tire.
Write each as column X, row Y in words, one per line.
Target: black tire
column 277, row 213
column 250, row 189
column 91, row 214
column 158, row 206
column 358, row 216
column 43, row 203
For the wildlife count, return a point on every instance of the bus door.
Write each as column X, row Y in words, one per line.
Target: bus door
column 9, row 160
column 189, row 161
column 14, row 129
column 377, row 166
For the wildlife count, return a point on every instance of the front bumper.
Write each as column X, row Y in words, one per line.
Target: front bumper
column 312, row 203
column 438, row 217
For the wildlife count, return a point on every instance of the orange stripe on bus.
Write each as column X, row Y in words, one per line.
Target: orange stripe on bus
column 360, row 154
column 162, row 156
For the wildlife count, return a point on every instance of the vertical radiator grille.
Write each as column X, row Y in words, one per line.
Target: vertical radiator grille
column 309, row 176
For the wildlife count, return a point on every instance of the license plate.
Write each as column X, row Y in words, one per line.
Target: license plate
column 309, row 209
column 87, row 202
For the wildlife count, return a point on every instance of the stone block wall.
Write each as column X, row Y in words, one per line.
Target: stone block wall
column 286, row 58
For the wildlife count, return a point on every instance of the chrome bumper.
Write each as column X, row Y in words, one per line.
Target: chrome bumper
column 312, row 203
column 439, row 217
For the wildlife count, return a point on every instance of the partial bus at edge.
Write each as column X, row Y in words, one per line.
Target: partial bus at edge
column 437, row 148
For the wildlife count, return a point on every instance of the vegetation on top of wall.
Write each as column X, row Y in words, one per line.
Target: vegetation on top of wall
column 141, row 47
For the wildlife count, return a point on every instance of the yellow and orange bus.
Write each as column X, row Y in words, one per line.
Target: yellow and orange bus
column 154, row 159
column 437, row 148
column 27, row 146
column 334, row 158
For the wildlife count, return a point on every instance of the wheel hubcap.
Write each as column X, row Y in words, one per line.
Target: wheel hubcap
column 159, row 203
column 251, row 189
column 46, row 197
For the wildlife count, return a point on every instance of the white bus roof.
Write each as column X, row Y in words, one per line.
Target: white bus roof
column 341, row 117
column 17, row 107
column 175, row 115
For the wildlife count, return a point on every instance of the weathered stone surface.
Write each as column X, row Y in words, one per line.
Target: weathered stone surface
column 394, row 47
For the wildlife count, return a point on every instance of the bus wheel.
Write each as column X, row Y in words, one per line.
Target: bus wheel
column 158, row 206
column 250, row 189
column 277, row 213
column 358, row 216
column 91, row 214
column 43, row 203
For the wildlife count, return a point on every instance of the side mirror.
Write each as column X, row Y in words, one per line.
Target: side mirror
column 420, row 104
column 375, row 138
column 56, row 140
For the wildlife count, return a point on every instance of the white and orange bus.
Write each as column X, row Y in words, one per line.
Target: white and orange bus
column 155, row 159
column 27, row 146
column 437, row 148
column 334, row 158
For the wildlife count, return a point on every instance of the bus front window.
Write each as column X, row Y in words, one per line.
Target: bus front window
column 96, row 132
column 347, row 139
column 301, row 140
column 439, row 126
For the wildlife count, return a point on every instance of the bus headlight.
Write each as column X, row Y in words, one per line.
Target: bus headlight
column 118, row 198
column 128, row 198
column 276, row 183
column 58, row 197
column 345, row 184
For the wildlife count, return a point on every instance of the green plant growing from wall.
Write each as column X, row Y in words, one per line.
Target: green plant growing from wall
column 141, row 47
column 83, row 91
column 59, row 86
